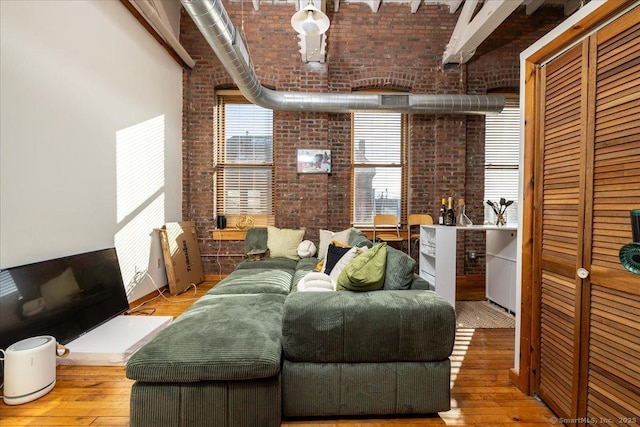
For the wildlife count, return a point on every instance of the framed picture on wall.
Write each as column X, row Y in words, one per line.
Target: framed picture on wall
column 314, row 160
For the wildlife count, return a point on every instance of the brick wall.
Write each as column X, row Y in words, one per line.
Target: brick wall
column 391, row 48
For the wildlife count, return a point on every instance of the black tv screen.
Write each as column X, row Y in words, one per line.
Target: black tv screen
column 63, row 297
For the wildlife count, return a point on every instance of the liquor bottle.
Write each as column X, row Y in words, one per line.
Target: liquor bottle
column 443, row 211
column 450, row 216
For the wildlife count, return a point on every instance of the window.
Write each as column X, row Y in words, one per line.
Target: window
column 378, row 165
column 502, row 136
column 243, row 159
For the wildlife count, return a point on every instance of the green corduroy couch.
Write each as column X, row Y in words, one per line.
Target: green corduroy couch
column 254, row 350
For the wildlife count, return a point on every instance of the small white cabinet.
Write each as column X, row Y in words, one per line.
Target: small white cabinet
column 501, row 268
column 438, row 261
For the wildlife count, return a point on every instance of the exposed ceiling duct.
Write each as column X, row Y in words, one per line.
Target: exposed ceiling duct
column 226, row 41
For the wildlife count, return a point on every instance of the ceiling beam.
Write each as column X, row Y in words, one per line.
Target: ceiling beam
column 454, row 5
column 458, row 31
column 415, row 4
column 147, row 15
column 533, row 5
column 470, row 31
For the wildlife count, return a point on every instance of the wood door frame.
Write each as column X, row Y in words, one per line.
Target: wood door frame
column 567, row 33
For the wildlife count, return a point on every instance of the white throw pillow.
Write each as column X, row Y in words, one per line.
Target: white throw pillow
column 306, row 249
column 283, row 242
column 327, row 237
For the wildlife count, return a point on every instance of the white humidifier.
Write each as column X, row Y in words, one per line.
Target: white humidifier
column 29, row 369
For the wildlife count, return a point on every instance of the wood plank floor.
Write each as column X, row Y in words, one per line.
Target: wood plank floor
column 481, row 391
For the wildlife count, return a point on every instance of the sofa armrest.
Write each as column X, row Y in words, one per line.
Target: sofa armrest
column 379, row 326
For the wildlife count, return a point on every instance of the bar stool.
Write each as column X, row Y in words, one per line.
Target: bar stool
column 415, row 220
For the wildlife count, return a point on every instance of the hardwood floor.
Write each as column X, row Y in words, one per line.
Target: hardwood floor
column 481, row 391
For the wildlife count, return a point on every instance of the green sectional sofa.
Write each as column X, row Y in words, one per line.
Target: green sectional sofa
column 255, row 350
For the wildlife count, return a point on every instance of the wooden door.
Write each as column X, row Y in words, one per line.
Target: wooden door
column 610, row 371
column 586, row 361
column 560, row 224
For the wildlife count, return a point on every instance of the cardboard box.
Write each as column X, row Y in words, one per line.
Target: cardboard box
column 181, row 255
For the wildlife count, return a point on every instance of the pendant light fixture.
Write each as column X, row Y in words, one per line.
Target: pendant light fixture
column 310, row 21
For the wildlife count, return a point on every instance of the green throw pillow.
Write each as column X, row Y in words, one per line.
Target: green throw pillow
column 366, row 272
column 400, row 268
column 283, row 242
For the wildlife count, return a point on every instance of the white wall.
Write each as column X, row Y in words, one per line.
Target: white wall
column 90, row 136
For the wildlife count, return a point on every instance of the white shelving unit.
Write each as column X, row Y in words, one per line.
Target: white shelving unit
column 438, row 261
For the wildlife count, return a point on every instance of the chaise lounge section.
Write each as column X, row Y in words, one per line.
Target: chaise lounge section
column 371, row 353
column 255, row 350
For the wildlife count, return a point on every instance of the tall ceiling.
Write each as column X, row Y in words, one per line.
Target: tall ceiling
column 477, row 19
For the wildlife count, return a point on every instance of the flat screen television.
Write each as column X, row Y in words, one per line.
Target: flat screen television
column 64, row 297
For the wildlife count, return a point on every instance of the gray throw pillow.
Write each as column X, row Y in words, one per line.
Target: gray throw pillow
column 399, row 274
column 359, row 239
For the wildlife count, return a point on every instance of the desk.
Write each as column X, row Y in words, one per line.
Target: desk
column 438, row 261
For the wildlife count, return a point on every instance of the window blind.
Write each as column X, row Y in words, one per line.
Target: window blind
column 244, row 160
column 378, row 166
column 502, row 137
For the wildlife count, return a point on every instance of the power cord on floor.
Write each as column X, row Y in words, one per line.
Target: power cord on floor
column 136, row 310
column 218, row 257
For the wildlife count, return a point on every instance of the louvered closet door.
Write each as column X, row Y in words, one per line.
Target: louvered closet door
column 560, row 225
column 612, row 369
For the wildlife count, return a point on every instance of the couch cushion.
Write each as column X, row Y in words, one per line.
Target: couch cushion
column 399, row 272
column 367, row 326
column 255, row 402
column 255, row 281
column 366, row 272
column 283, row 242
column 304, row 266
column 280, row 263
column 307, row 264
column 332, row 389
column 220, row 337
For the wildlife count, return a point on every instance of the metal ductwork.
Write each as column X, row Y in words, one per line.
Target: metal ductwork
column 226, row 41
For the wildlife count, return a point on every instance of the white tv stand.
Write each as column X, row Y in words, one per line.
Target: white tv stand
column 438, row 261
column 115, row 341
